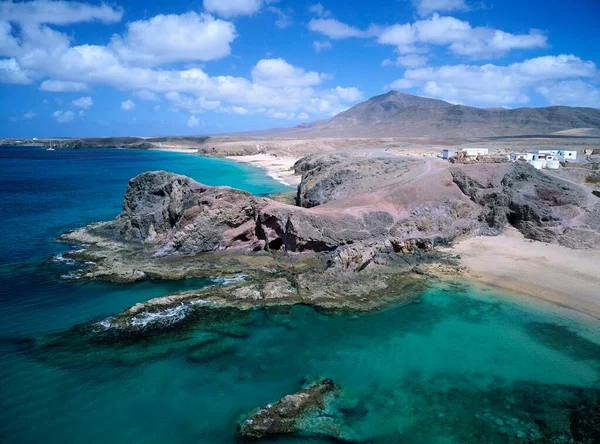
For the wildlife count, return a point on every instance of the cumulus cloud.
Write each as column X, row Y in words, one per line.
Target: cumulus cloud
column 232, row 8
column 62, row 86
column 127, row 105
column 57, row 12
column 29, row 115
column 336, row 30
column 278, row 72
column 193, row 122
column 426, row 7
column 459, row 36
column 175, row 38
column 571, row 93
column 83, row 102
column 274, row 87
column 493, row 85
column 144, row 94
column 351, row 94
column 63, row 116
column 321, row 46
column 195, row 105
column 11, row 72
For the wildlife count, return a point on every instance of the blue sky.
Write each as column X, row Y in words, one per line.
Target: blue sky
column 210, row 66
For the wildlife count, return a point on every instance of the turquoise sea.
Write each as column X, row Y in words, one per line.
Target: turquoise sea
column 466, row 365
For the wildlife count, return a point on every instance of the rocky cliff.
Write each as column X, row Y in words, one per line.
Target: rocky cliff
column 346, row 200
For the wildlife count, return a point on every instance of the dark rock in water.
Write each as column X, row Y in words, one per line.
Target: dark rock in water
column 290, row 413
column 212, row 350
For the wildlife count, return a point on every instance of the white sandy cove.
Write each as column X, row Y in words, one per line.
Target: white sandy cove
column 557, row 274
column 278, row 167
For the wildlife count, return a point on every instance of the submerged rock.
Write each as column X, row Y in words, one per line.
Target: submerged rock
column 292, row 413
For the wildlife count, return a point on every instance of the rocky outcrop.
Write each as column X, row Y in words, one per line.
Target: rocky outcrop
column 335, row 176
column 178, row 215
column 542, row 207
column 291, row 414
column 168, row 214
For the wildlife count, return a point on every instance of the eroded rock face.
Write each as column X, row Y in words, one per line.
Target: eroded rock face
column 542, row 207
column 328, row 177
column 289, row 415
column 171, row 214
column 176, row 214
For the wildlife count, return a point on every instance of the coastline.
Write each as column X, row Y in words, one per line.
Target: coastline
column 177, row 150
column 279, row 168
column 559, row 275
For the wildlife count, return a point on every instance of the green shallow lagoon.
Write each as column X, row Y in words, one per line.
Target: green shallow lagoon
column 465, row 365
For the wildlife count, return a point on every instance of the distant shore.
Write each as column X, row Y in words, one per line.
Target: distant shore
column 563, row 276
column 280, row 168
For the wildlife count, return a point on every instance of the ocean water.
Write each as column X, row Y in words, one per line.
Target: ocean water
column 466, row 365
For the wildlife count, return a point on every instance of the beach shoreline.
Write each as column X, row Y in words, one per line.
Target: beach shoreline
column 559, row 275
column 280, row 168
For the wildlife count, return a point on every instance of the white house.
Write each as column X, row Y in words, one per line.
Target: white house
column 448, row 153
column 474, row 152
column 522, row 157
column 565, row 155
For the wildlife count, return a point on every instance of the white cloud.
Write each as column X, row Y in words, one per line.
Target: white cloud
column 9, row 46
column 232, row 8
column 278, row 72
column 493, row 85
column 426, row 7
column 283, row 19
column 156, row 108
column 571, row 93
column 144, row 94
column 194, row 105
column 58, row 12
column 319, row 10
column 127, row 105
column 459, row 36
column 62, row 86
column 174, row 38
column 351, row 94
column 63, row 116
column 334, row 29
column 29, row 115
column 193, row 122
column 320, row 46
column 11, row 72
column 407, row 61
column 274, row 87
column 85, row 102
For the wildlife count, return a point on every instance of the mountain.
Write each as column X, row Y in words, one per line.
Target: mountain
column 396, row 114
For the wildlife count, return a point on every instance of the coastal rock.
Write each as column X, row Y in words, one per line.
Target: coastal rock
column 327, row 177
column 542, row 207
column 291, row 414
column 180, row 215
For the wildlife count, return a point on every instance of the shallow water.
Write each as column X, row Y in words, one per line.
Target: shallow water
column 465, row 365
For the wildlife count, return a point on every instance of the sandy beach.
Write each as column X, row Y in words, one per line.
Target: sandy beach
column 280, row 168
column 178, row 150
column 570, row 278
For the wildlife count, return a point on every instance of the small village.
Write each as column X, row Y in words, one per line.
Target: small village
column 551, row 159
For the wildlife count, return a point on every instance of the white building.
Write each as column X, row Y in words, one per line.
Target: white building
column 521, row 157
column 474, row 152
column 565, row 155
column 448, row 153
